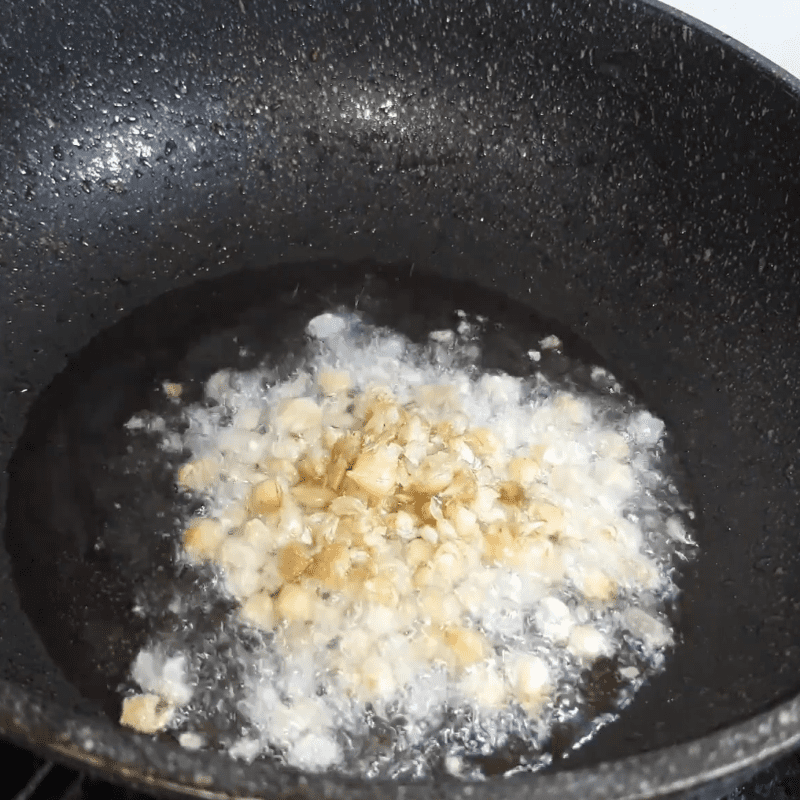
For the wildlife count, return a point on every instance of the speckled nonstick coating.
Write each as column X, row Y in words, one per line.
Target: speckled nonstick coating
column 620, row 169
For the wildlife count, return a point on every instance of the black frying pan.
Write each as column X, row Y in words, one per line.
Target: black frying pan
column 613, row 168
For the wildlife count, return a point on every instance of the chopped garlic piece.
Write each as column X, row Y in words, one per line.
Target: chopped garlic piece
column 530, row 680
column 266, row 498
column 642, row 624
column 485, row 684
column 376, row 470
column 203, row 538
column 377, row 678
column 295, row 603
column 247, row 418
column 173, row 390
column 299, row 416
column 335, row 381
column 469, row 646
column 326, row 326
column 550, row 343
column 594, row 584
column 146, row 713
column 587, row 642
column 191, row 740
column 198, row 475
column 554, row 619
column 259, row 610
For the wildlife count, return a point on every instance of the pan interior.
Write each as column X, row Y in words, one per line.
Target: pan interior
column 93, row 511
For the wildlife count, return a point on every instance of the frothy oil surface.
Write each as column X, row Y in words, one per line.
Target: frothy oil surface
column 422, row 560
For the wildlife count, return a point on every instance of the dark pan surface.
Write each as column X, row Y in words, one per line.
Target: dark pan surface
column 618, row 171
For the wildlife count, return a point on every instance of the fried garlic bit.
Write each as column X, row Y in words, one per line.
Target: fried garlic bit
column 146, row 713
column 203, row 538
column 172, row 390
column 363, row 508
column 198, row 475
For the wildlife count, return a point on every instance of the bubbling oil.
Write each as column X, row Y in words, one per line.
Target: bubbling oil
column 558, row 619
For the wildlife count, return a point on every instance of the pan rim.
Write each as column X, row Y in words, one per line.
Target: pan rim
column 725, row 758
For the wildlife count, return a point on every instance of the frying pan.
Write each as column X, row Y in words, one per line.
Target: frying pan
column 614, row 167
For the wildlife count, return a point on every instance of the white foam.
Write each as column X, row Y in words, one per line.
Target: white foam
column 155, row 672
column 307, row 693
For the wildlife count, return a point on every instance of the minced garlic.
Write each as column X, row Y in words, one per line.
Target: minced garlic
column 390, row 524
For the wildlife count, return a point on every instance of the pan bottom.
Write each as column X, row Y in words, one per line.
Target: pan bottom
column 93, row 514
